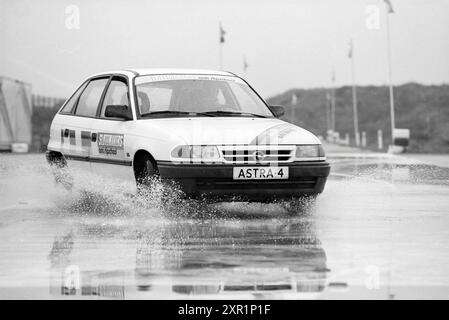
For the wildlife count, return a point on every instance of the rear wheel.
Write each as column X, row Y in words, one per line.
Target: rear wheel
column 60, row 170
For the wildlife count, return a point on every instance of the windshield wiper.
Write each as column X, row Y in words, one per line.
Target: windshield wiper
column 193, row 113
column 219, row 112
column 207, row 113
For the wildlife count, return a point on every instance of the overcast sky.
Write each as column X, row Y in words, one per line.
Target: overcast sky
column 288, row 44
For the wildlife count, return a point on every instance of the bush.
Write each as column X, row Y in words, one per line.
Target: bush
column 422, row 109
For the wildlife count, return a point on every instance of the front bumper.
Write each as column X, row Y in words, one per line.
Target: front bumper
column 216, row 181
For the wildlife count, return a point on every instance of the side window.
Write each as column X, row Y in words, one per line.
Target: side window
column 117, row 94
column 68, row 108
column 90, row 98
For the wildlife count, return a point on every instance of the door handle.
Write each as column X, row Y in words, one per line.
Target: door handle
column 94, row 136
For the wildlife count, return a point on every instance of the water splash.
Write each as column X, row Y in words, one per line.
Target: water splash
column 28, row 179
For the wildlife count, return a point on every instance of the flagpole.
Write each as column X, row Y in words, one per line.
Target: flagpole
column 221, row 55
column 333, row 100
column 390, row 77
column 328, row 113
column 354, row 99
column 221, row 41
column 245, row 66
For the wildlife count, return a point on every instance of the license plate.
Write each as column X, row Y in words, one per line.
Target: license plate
column 260, row 173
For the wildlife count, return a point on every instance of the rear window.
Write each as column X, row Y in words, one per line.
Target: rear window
column 68, row 108
column 90, row 98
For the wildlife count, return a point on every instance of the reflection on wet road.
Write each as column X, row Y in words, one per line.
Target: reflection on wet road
column 378, row 231
column 181, row 259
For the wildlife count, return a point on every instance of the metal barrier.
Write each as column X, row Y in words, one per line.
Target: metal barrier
column 15, row 114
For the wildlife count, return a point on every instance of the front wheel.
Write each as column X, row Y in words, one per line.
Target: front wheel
column 151, row 189
column 146, row 174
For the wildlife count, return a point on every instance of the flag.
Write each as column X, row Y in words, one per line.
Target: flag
column 222, row 34
column 350, row 50
column 245, row 64
column 389, row 6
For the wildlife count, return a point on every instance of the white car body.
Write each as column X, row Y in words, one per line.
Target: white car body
column 100, row 141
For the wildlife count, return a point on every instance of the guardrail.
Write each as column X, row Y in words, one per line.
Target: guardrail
column 400, row 142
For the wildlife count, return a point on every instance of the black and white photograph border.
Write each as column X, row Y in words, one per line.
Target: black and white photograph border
column 224, row 150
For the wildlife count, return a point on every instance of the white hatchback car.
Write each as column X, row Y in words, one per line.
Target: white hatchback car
column 208, row 131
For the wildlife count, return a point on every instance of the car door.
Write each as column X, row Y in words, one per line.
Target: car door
column 109, row 151
column 75, row 130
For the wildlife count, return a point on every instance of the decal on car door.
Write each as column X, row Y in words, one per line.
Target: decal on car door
column 111, row 144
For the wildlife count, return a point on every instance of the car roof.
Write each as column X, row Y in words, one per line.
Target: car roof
column 159, row 71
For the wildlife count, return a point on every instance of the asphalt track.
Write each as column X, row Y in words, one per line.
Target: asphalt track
column 379, row 230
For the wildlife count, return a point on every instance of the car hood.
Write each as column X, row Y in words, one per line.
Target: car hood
column 230, row 130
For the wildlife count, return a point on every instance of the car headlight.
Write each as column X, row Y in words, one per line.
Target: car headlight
column 196, row 153
column 309, row 151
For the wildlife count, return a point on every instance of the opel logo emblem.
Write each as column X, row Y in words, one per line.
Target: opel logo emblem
column 259, row 155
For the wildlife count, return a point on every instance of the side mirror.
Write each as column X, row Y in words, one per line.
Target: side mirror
column 118, row 111
column 278, row 111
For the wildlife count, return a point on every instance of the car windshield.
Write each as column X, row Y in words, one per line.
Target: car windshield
column 201, row 95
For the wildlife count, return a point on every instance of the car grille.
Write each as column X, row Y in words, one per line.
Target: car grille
column 257, row 154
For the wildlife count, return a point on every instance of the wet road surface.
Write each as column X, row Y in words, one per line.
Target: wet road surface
column 380, row 230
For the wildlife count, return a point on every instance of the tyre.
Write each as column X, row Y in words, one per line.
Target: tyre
column 145, row 173
column 60, row 170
